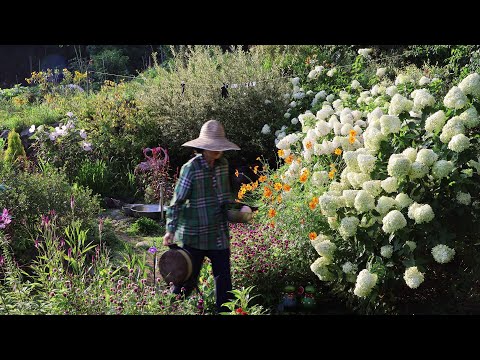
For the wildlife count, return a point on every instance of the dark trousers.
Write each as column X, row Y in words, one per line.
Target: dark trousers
column 221, row 272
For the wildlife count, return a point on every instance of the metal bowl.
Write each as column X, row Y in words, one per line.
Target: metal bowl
column 151, row 211
column 237, row 216
column 127, row 209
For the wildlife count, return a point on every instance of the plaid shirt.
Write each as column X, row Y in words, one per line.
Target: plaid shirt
column 198, row 211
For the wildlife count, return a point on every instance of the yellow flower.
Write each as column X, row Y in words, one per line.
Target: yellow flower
column 236, row 172
column 281, row 153
column 272, row 213
column 338, row 151
column 277, row 186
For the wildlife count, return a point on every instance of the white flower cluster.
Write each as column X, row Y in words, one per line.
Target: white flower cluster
column 427, row 156
column 470, row 117
column 384, row 204
column 390, row 124
column 443, row 254
column 390, row 184
column 365, row 52
column 413, row 277
column 399, row 104
column 464, row 198
column 421, row 213
column 435, row 122
column 373, row 187
column 455, row 98
column 265, row 129
column 459, row 143
column 403, row 200
column 418, row 170
column 471, row 85
column 365, row 282
column 348, row 226
column 398, row 165
column 364, row 201
column 381, row 72
column 319, row 268
column 324, row 246
column 386, row 251
column 421, row 99
column 349, row 268
column 393, row 221
column 411, row 244
column 442, row 168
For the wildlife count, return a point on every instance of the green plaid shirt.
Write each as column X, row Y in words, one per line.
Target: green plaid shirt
column 198, row 211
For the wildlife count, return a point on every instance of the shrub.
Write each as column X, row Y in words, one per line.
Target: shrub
column 390, row 177
column 29, row 194
column 14, row 147
column 174, row 118
column 144, row 226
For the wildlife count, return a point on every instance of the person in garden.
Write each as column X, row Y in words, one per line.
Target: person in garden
column 197, row 215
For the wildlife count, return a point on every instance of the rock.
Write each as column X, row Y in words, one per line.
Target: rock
column 143, row 244
column 4, row 134
column 113, row 203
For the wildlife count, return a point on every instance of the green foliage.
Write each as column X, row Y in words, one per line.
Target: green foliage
column 241, row 303
column 14, row 148
column 172, row 118
column 95, row 175
column 144, row 226
column 31, row 194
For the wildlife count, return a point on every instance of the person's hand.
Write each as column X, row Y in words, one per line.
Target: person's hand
column 168, row 238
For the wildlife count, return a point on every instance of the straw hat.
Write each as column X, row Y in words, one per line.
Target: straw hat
column 212, row 137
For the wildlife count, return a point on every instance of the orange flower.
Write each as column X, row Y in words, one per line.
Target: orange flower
column 331, row 174
column 278, row 186
column 236, row 172
column 240, row 195
column 272, row 224
column 289, row 159
column 338, row 151
column 313, row 204
column 267, row 192
column 255, row 169
column 272, row 213
column 304, row 176
column 312, row 235
column 254, row 185
column 281, row 153
column 286, row 187
column 279, row 199
column 262, row 178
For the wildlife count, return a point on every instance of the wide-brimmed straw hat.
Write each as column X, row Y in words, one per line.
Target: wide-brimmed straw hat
column 212, row 137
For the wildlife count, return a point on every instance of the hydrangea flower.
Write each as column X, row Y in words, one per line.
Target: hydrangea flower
column 443, row 254
column 393, row 221
column 386, row 251
column 365, row 282
column 413, row 277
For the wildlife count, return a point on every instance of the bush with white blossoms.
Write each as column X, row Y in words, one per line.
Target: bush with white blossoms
column 385, row 172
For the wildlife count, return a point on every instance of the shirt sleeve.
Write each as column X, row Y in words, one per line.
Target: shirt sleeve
column 182, row 192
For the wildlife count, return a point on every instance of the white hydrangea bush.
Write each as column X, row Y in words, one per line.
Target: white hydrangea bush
column 390, row 164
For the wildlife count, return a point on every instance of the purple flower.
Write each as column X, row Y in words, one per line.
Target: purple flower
column 45, row 220
column 69, row 252
column 152, row 250
column 2, row 260
column 36, row 243
column 5, row 219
